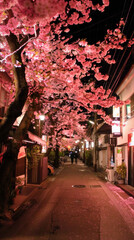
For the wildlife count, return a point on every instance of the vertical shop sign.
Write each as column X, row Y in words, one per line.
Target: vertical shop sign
column 119, row 156
column 131, row 139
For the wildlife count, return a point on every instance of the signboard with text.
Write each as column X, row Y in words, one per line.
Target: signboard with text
column 116, row 130
column 116, row 112
column 131, row 139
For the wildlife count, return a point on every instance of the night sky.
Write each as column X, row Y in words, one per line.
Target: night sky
column 96, row 30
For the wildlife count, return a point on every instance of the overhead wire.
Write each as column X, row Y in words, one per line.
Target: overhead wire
column 122, row 67
column 107, row 84
column 117, row 69
column 120, row 73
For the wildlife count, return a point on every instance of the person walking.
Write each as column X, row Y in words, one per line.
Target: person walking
column 75, row 156
column 72, row 157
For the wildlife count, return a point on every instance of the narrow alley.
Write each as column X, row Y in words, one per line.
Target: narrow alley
column 74, row 204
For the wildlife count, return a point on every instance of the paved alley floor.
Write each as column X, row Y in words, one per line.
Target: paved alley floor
column 75, row 205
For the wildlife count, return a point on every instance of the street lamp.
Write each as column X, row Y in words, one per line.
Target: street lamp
column 41, row 118
column 91, row 122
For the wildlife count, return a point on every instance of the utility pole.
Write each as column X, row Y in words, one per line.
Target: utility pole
column 84, row 157
column 95, row 155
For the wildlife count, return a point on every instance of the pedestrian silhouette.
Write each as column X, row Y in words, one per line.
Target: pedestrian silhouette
column 72, row 157
column 75, row 156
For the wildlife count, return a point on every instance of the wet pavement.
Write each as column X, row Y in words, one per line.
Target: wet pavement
column 29, row 189
column 73, row 204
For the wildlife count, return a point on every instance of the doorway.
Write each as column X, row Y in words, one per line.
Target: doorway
column 131, row 166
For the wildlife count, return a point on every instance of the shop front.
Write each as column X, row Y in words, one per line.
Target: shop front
column 37, row 164
column 131, row 159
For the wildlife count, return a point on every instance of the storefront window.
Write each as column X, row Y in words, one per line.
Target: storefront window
column 128, row 111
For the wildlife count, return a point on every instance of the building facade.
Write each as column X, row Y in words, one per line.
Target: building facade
column 125, row 142
column 116, row 143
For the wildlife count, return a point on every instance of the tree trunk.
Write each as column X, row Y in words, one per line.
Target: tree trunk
column 7, row 175
column 95, row 144
column 15, row 108
column 56, row 160
column 7, row 168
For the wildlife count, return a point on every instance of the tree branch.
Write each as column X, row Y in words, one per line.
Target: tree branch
column 15, row 108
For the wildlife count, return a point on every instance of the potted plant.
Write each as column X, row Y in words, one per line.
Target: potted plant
column 121, row 173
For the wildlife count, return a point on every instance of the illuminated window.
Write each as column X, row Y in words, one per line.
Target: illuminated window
column 132, row 105
column 128, row 111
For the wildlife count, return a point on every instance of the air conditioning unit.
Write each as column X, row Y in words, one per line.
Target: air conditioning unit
column 110, row 175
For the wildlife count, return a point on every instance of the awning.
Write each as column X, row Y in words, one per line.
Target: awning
column 36, row 139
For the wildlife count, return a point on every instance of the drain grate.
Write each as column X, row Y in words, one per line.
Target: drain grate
column 42, row 188
column 78, row 186
column 95, row 186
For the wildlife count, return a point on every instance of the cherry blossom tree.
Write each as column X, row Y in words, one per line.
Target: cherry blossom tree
column 46, row 66
column 62, row 123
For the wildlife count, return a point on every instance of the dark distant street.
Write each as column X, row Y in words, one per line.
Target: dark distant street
column 74, row 205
